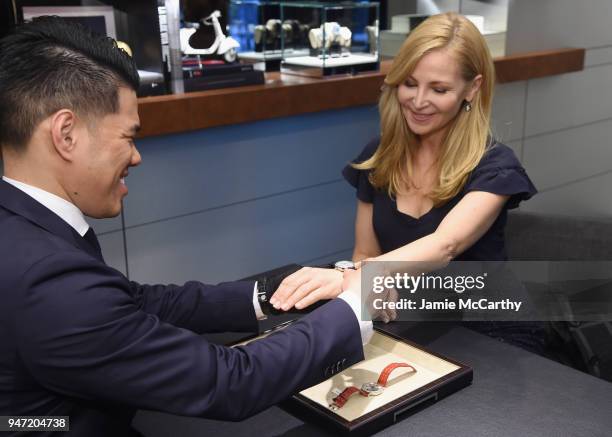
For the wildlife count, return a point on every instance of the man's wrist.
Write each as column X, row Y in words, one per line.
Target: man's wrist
column 267, row 286
column 353, row 300
column 366, row 329
column 263, row 297
column 259, row 314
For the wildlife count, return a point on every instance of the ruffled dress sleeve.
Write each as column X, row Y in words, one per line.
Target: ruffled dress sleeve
column 500, row 172
column 359, row 178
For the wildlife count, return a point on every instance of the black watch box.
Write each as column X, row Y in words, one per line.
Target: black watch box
column 406, row 392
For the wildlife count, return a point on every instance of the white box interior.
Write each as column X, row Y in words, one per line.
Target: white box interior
column 381, row 351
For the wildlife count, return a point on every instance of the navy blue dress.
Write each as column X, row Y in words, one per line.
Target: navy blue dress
column 499, row 172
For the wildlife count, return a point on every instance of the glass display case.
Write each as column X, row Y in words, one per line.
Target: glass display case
column 257, row 24
column 342, row 38
column 135, row 24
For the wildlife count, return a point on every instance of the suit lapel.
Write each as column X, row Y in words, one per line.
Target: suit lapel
column 18, row 202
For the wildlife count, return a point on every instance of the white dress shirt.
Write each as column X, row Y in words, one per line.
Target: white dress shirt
column 366, row 328
column 72, row 215
column 67, row 211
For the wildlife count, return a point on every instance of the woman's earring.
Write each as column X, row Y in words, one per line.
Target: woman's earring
column 467, row 107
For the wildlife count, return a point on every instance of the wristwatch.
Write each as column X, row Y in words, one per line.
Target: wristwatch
column 341, row 266
column 369, row 388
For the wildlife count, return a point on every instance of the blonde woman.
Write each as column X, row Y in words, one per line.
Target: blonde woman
column 435, row 186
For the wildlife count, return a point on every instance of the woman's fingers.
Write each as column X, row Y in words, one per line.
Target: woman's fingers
column 385, row 314
column 393, row 297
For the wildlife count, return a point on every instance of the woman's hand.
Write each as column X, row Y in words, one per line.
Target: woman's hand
column 307, row 286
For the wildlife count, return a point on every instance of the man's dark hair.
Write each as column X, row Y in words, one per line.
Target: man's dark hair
column 50, row 64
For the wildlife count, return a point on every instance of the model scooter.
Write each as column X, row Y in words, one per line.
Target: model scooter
column 224, row 46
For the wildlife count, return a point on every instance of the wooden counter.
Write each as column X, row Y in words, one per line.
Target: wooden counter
column 286, row 95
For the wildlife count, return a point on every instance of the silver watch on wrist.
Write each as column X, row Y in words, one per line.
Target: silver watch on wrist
column 344, row 265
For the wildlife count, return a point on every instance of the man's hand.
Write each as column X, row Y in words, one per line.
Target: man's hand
column 307, row 286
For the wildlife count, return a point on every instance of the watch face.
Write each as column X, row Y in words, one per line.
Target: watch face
column 343, row 265
column 372, row 389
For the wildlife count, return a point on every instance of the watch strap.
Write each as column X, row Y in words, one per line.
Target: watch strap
column 384, row 375
column 343, row 397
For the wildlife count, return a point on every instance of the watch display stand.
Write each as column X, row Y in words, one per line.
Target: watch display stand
column 407, row 390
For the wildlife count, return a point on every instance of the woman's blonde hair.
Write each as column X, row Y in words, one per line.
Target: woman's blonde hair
column 466, row 140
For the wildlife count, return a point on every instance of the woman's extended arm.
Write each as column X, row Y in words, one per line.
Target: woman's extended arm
column 465, row 224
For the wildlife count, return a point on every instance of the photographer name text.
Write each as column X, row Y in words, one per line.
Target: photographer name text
column 461, row 304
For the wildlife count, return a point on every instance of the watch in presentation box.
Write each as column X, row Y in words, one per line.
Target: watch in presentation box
column 396, row 379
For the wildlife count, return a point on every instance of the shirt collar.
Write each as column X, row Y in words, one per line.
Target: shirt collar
column 65, row 210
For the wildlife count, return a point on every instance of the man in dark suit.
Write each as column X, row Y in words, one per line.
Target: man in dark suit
column 77, row 338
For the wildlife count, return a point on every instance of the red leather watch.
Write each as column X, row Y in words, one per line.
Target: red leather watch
column 369, row 388
column 384, row 375
column 342, row 398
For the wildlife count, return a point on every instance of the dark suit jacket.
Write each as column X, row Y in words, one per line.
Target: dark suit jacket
column 78, row 339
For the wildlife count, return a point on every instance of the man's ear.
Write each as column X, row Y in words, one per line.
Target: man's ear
column 474, row 87
column 64, row 133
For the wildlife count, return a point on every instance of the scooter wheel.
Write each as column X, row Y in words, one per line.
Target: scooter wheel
column 230, row 55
